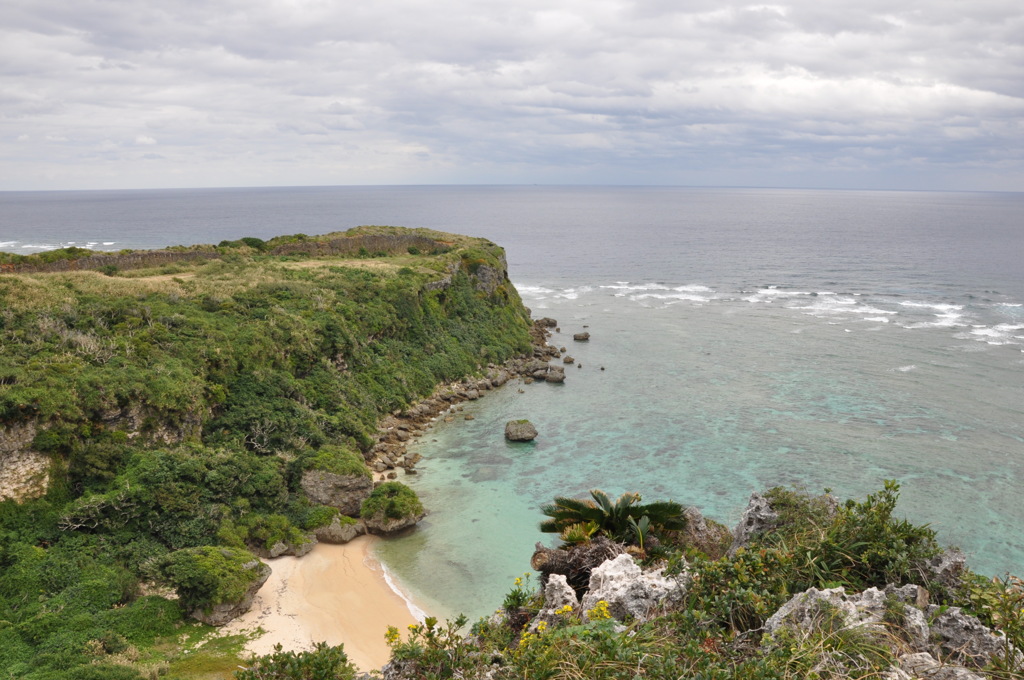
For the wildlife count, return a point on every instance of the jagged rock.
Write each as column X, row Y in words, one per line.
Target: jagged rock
column 220, row 614
column 472, row 395
column 581, row 337
column 947, row 568
column 576, row 563
column 338, row 532
column 557, row 594
column 631, row 593
column 387, row 525
column 520, row 431
column 555, row 374
column 963, row 639
column 756, row 519
column 345, row 492
column 568, row 359
column 924, row 665
column 711, row 538
column 957, row 638
column 546, row 322
column 283, row 548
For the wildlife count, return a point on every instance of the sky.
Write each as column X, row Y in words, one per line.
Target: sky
column 880, row 94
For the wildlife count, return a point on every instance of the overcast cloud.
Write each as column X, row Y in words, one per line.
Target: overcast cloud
column 863, row 93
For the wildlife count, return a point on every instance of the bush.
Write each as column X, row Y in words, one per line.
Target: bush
column 322, row 663
column 392, row 500
column 207, row 576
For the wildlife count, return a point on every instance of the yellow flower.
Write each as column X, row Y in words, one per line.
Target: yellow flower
column 519, row 581
column 542, row 626
column 599, row 612
column 565, row 610
column 392, row 635
column 413, row 627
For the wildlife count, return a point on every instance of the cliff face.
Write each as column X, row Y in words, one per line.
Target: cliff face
column 24, row 473
column 274, row 346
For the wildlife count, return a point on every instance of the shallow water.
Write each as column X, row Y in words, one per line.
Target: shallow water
column 705, row 401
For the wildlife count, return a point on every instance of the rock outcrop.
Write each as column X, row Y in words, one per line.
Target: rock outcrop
column 757, row 518
column 581, row 337
column 919, row 635
column 219, row 614
column 345, row 492
column 24, row 473
column 520, row 431
column 339, row 531
column 382, row 524
column 630, row 592
column 558, row 595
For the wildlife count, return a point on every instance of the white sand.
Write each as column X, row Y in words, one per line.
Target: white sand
column 336, row 594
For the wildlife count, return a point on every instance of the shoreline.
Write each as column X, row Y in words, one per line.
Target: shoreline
column 338, row 594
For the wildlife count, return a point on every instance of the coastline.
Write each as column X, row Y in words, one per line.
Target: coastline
column 339, row 594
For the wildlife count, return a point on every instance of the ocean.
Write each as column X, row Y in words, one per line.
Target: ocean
column 748, row 338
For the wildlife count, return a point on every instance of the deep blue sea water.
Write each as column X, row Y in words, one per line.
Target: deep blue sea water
column 750, row 337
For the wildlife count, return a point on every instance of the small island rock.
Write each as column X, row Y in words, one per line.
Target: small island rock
column 581, row 337
column 520, row 431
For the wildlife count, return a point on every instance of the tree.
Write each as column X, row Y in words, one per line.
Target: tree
column 577, row 520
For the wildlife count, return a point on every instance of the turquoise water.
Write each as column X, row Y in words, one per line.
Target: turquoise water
column 704, row 401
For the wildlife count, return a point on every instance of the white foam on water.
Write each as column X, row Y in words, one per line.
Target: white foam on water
column 109, row 243
column 1001, row 334
column 627, row 286
column 677, row 297
column 905, row 369
column 537, row 292
column 573, row 293
column 946, row 315
column 878, row 319
column 416, row 612
column 41, row 246
column 7, row 244
column 772, row 294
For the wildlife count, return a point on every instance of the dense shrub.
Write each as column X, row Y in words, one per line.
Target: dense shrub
column 391, row 500
column 209, row 575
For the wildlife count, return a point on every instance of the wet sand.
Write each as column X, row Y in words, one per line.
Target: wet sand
column 336, row 594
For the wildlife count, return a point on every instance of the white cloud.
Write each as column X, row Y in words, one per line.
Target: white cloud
column 320, row 92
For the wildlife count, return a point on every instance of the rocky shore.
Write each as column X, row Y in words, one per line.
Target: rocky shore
column 401, row 427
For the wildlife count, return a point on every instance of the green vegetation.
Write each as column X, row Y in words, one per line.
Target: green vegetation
column 322, row 663
column 179, row 396
column 391, row 500
column 208, row 576
column 625, row 520
column 716, row 631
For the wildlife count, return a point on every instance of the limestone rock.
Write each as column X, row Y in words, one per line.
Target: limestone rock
column 948, row 567
column 283, row 548
column 557, row 594
column 581, row 337
column 568, row 359
column 710, row 538
column 345, row 492
column 555, row 374
column 520, row 431
column 924, row 665
column 546, row 322
column 379, row 524
column 219, row 614
column 756, row 519
column 963, row 639
column 338, row 532
column 631, row 593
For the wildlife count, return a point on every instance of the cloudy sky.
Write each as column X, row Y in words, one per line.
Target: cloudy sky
column 187, row 93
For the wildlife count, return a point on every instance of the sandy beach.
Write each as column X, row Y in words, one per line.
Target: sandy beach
column 337, row 594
